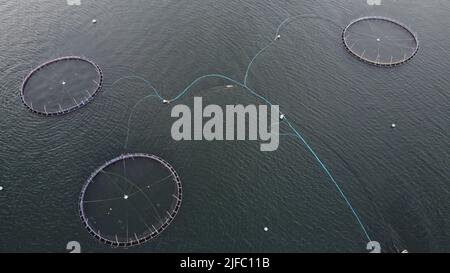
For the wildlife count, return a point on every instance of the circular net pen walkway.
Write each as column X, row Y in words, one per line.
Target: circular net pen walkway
column 61, row 85
column 380, row 41
column 130, row 199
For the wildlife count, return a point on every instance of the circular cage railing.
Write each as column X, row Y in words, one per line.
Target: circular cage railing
column 380, row 41
column 122, row 205
column 61, row 85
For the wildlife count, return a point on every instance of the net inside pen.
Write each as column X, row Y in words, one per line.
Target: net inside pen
column 130, row 199
column 61, row 85
column 380, row 41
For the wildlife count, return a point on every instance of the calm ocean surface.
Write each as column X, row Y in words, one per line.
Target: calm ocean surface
column 397, row 180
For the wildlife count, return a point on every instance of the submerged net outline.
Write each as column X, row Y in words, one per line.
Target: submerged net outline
column 355, row 46
column 151, row 231
column 74, row 104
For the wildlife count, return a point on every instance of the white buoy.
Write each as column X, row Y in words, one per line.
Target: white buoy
column 125, row 197
column 378, row 39
column 266, row 229
column 63, row 83
column 1, row 188
column 282, row 117
column 278, row 37
column 405, row 251
column 166, row 101
column 94, row 21
column 393, row 125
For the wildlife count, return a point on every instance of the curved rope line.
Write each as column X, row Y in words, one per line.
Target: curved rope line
column 295, row 131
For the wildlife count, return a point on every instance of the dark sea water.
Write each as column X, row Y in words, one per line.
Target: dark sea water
column 398, row 180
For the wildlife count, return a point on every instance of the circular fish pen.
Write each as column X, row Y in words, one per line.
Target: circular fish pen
column 130, row 199
column 61, row 85
column 380, row 41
